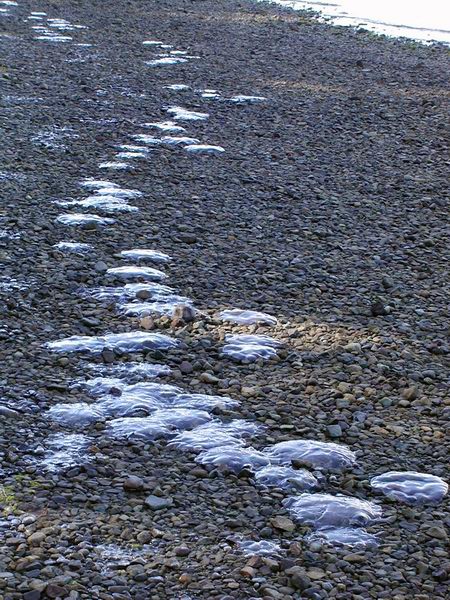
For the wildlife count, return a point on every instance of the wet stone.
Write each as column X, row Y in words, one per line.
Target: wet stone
column 249, row 348
column 134, row 341
column 328, row 511
column 235, row 459
column 320, row 455
column 286, row 478
column 411, row 487
column 246, row 317
column 216, row 434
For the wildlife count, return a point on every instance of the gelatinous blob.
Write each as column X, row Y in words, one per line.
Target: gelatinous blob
column 133, row 148
column 261, row 548
column 183, row 114
column 325, row 510
column 215, row 434
column 166, row 60
column 174, row 141
column 136, row 272
column 235, row 459
column 152, row 43
column 83, row 219
column 166, row 306
column 130, row 370
column 147, row 139
column 241, row 99
column 131, row 154
column 77, row 414
column 411, row 487
column 145, row 254
column 133, row 341
column 166, row 126
column 104, row 202
column 155, row 291
column 204, row 149
column 52, row 37
column 286, row 478
column 116, row 165
column 177, row 87
column 210, row 94
column 117, row 192
column 65, row 450
column 354, row 537
column 249, row 348
column 319, row 455
column 161, row 423
column 98, row 184
column 146, row 397
column 246, row 317
column 75, row 247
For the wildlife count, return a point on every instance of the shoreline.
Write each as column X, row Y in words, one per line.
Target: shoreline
column 326, row 211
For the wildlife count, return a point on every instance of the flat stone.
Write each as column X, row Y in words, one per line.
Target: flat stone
column 157, row 503
column 133, row 483
column 283, row 523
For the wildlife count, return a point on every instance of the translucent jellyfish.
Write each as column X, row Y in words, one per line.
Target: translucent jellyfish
column 328, row 511
column 261, row 548
column 319, row 455
column 136, row 272
column 354, row 537
column 286, row 478
column 246, row 317
column 78, row 414
column 133, row 341
column 411, row 487
column 235, row 459
column 249, row 348
column 215, row 434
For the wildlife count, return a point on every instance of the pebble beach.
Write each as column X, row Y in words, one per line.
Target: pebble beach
column 224, row 357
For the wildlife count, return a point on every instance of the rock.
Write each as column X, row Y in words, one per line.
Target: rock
column 438, row 532
column 157, row 503
column 334, row 431
column 101, row 267
column 298, row 578
column 32, row 595
column 147, row 323
column 133, row 483
column 182, row 314
column 186, row 367
column 379, row 309
column 36, row 538
column 208, row 378
column 410, row 393
column 8, row 412
column 283, row 523
column 55, row 591
column 182, row 551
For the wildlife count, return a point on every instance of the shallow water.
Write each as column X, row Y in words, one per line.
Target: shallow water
column 328, row 511
column 424, row 21
column 411, row 487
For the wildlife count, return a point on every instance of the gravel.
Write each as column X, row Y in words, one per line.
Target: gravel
column 325, row 214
